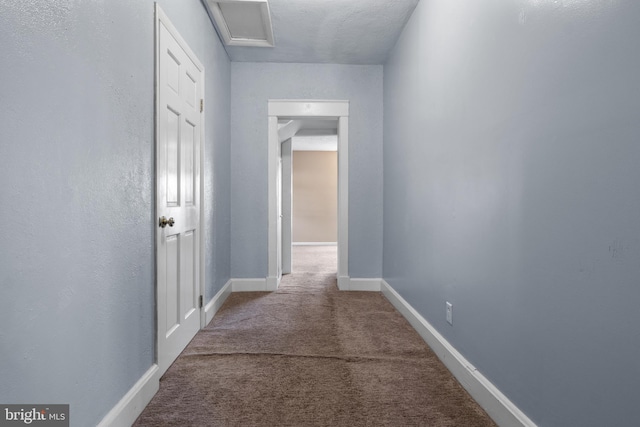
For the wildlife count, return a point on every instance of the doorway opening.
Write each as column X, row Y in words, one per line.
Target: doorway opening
column 310, row 199
column 286, row 119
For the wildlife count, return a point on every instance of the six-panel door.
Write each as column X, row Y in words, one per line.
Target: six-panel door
column 178, row 193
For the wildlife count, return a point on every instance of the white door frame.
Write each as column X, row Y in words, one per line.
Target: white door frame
column 300, row 109
column 162, row 19
column 287, row 205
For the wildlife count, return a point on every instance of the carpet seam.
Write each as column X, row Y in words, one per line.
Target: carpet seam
column 348, row 358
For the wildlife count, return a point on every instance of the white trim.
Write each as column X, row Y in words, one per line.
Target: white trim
column 249, row 285
column 272, row 178
column 287, row 205
column 133, row 403
column 300, row 109
column 162, row 17
column 496, row 404
column 229, row 40
column 315, row 243
column 203, row 313
column 216, row 302
column 289, row 130
column 368, row 285
column 343, row 195
column 272, row 283
column 129, row 408
column 343, row 283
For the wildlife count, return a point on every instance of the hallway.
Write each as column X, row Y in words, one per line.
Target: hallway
column 492, row 197
column 310, row 355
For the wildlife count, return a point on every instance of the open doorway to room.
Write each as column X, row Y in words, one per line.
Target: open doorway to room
column 296, row 130
column 314, row 196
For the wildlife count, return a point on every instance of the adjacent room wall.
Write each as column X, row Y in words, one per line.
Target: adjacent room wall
column 77, row 261
column 315, row 196
column 252, row 85
column 511, row 153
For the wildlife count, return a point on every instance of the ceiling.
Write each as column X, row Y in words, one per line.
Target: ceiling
column 330, row 31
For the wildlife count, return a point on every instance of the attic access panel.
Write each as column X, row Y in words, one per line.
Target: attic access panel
column 243, row 22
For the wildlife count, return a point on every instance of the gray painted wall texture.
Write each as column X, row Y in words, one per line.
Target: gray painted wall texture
column 252, row 85
column 511, row 153
column 77, row 267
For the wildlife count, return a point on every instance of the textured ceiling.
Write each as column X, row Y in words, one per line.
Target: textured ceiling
column 331, row 31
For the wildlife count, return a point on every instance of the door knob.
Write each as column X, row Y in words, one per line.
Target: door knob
column 163, row 222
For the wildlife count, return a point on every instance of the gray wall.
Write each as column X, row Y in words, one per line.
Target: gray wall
column 511, row 153
column 252, row 85
column 76, row 145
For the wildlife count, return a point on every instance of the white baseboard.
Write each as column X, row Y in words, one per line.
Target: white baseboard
column 343, row 283
column 216, row 302
column 138, row 397
column 369, row 285
column 314, row 243
column 496, row 404
column 249, row 285
column 133, row 403
column 272, row 284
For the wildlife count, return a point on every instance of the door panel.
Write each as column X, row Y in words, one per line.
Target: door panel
column 188, row 151
column 178, row 147
column 172, row 160
column 172, row 282
column 188, row 274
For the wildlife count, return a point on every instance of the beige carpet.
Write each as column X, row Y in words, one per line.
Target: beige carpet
column 310, row 355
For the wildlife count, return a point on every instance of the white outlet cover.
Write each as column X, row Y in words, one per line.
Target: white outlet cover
column 449, row 313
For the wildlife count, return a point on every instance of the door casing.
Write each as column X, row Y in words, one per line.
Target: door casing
column 293, row 109
column 287, row 206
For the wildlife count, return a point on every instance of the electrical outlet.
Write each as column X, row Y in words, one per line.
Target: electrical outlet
column 449, row 313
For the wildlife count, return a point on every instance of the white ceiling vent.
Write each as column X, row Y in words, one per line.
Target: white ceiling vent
column 243, row 22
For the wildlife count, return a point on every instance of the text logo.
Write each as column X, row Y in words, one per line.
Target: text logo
column 34, row 415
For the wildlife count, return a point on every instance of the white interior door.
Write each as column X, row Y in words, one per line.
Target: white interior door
column 178, row 150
